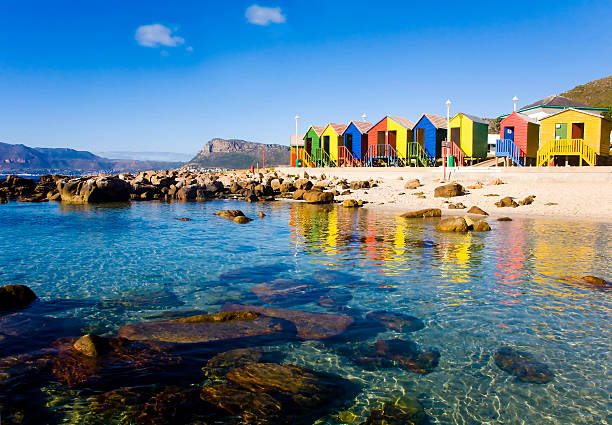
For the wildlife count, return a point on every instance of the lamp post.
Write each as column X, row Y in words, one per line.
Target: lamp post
column 364, row 117
column 297, row 147
column 515, row 100
column 448, row 141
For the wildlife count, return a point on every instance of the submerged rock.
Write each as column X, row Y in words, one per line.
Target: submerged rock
column 428, row 212
column 396, row 321
column 596, row 281
column 308, row 325
column 403, row 411
column 204, row 328
column 222, row 363
column 287, row 292
column 92, row 345
column 408, row 355
column 318, row 197
column 15, row 296
column 522, row 365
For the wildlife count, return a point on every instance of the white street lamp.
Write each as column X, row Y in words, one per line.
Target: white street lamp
column 297, row 146
column 364, row 117
column 515, row 100
column 448, row 141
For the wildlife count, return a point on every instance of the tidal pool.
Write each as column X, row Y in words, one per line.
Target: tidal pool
column 429, row 310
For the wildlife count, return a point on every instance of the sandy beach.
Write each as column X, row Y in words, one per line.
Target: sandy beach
column 577, row 193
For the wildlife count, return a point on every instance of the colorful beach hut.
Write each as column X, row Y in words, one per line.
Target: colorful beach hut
column 518, row 139
column 356, row 140
column 429, row 132
column 388, row 142
column 312, row 142
column 331, row 139
column 583, row 135
column 470, row 133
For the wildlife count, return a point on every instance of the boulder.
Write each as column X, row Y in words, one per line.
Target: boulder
column 286, row 187
column 187, row 193
column 506, row 202
column 183, row 219
column 428, row 212
column 303, row 184
column 298, row 194
column 261, row 214
column 350, row 203
column 452, row 224
column 359, row 185
column 522, row 365
column 481, row 226
column 457, row 206
column 241, row 219
column 94, row 190
column 308, row 325
column 477, row 210
column 528, row 200
column 92, row 345
column 215, row 186
column 504, row 219
column 448, row 190
column 235, row 188
column 594, row 280
column 205, row 328
column 15, row 296
column 412, row 184
column 495, row 182
column 317, row 197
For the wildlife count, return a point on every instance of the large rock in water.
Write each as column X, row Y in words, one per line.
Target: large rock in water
column 318, row 197
column 522, row 365
column 448, row 190
column 15, row 296
column 428, row 212
column 309, row 325
column 94, row 190
column 452, row 224
column 288, row 292
column 205, row 328
column 396, row 321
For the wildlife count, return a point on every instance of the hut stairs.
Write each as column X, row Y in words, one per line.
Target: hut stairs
column 507, row 148
column 567, row 147
column 346, row 158
column 382, row 154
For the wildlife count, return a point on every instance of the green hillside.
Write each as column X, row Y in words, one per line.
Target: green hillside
column 596, row 93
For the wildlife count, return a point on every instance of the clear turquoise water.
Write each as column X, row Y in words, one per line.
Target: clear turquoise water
column 517, row 285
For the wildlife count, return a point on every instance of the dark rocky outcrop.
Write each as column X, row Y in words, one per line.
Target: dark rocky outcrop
column 522, row 365
column 94, row 190
column 15, row 296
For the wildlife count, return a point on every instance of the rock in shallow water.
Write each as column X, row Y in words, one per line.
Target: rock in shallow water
column 452, row 224
column 596, row 281
column 15, row 296
column 428, row 212
column 403, row 411
column 522, row 365
column 396, row 321
column 287, row 292
column 309, row 325
column 205, row 328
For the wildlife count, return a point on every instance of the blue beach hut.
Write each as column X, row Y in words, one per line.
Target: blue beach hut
column 429, row 132
column 356, row 138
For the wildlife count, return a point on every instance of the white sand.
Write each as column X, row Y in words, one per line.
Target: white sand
column 582, row 194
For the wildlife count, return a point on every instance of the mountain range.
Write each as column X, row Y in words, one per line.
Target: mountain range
column 25, row 159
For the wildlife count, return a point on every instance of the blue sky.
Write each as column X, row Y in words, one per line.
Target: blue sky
column 168, row 76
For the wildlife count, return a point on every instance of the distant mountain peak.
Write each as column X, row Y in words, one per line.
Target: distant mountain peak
column 237, row 153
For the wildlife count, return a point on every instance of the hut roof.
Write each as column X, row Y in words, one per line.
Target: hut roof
column 362, row 126
column 404, row 122
column 577, row 110
column 437, row 120
column 318, row 129
column 557, row 100
column 477, row 119
column 338, row 128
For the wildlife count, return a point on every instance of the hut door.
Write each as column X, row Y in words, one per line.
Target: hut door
column 349, row 142
column 561, row 131
column 392, row 138
column 578, row 130
column 381, row 138
column 420, row 137
column 509, row 133
column 326, row 143
column 308, row 145
column 456, row 135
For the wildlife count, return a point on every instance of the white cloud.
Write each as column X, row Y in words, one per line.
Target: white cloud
column 156, row 35
column 264, row 15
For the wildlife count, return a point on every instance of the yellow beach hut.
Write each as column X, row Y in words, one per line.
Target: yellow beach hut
column 573, row 136
column 331, row 138
column 401, row 130
column 470, row 133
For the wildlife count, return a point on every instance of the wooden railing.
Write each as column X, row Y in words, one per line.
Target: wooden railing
column 415, row 151
column 568, row 147
column 382, row 153
column 346, row 158
column 320, row 158
column 305, row 157
column 455, row 151
column 507, row 148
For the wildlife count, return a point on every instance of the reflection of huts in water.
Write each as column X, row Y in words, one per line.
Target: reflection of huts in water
column 455, row 258
column 510, row 263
